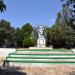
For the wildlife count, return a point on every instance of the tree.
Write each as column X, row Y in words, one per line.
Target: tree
column 26, row 29
column 12, row 37
column 5, row 25
column 54, row 36
column 69, row 37
column 2, row 37
column 4, row 31
column 2, row 6
column 7, row 34
column 28, row 40
column 68, row 0
column 19, row 37
column 58, row 19
column 61, row 34
column 68, row 12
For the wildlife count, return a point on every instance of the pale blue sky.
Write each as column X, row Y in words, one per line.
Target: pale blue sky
column 34, row 12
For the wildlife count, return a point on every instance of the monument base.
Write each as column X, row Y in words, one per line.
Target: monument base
column 41, row 42
column 41, row 48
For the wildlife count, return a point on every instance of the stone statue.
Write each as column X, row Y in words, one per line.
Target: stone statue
column 41, row 31
column 41, row 40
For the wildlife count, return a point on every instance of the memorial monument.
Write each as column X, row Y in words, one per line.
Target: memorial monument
column 41, row 42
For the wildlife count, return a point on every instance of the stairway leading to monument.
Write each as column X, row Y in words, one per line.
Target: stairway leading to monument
column 40, row 57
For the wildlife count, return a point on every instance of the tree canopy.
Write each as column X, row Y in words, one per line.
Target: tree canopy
column 15, row 37
column 60, row 35
column 2, row 6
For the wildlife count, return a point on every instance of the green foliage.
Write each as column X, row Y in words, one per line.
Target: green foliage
column 6, row 34
column 69, row 36
column 2, row 6
column 58, row 19
column 19, row 37
column 68, row 13
column 68, row 0
column 54, row 36
column 61, row 36
column 5, row 25
column 28, row 42
column 26, row 29
column 28, row 39
column 11, row 37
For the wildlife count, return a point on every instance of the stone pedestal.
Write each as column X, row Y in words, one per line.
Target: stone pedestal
column 41, row 42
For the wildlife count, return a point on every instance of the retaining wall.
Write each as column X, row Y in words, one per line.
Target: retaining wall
column 5, row 51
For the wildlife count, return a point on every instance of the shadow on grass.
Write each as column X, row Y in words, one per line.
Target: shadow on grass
column 10, row 71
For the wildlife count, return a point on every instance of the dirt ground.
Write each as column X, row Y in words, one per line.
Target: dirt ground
column 55, row 70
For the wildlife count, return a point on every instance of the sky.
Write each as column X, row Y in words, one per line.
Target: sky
column 35, row 12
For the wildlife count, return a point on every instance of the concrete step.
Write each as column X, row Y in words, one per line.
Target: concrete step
column 45, row 50
column 37, row 63
column 31, row 52
column 40, row 61
column 40, row 64
column 41, row 57
column 43, row 54
column 20, row 59
column 47, row 55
